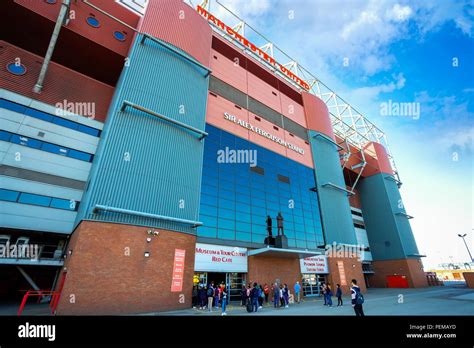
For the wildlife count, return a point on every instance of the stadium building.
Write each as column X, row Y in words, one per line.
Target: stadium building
column 143, row 147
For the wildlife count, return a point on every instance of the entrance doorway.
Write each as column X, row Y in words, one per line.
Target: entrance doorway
column 312, row 284
column 232, row 281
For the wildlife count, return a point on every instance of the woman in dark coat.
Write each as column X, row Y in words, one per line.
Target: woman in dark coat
column 195, row 296
column 202, row 297
column 243, row 296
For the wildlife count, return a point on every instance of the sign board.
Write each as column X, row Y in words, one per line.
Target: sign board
column 219, row 258
column 263, row 133
column 314, row 264
column 342, row 272
column 178, row 270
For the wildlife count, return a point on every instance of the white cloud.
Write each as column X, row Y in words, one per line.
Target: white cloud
column 399, row 13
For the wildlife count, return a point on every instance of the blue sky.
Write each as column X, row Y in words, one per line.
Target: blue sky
column 401, row 51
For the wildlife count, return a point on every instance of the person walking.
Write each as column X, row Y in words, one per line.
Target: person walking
column 243, row 296
column 276, row 295
column 339, row 295
column 323, row 290
column 286, row 295
column 329, row 295
column 223, row 293
column 210, row 296
column 216, row 297
column 266, row 292
column 195, row 296
column 261, row 297
column 202, row 297
column 357, row 299
column 282, row 299
column 297, row 289
column 254, row 297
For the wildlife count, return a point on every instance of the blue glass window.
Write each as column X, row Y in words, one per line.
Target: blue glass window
column 120, row 35
column 16, row 69
column 204, row 231
column 225, row 234
column 54, row 149
column 88, row 130
column 9, row 195
column 29, row 198
column 5, row 136
column 65, row 204
column 246, row 237
column 22, row 140
column 39, row 114
column 65, row 123
column 93, row 22
column 209, row 221
column 245, row 197
column 6, row 104
column 80, row 155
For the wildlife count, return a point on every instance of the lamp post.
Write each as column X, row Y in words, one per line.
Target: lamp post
column 463, row 236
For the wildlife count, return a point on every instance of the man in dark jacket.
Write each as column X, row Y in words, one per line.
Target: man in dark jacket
column 276, row 295
column 357, row 299
column 254, row 297
column 339, row 295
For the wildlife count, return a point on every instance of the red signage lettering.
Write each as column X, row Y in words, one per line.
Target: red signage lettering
column 258, row 51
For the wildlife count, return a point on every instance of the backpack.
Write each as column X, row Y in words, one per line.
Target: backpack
column 359, row 298
column 210, row 292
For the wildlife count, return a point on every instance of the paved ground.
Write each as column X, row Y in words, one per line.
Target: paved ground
column 429, row 301
column 447, row 300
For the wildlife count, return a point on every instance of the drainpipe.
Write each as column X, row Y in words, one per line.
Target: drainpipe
column 52, row 43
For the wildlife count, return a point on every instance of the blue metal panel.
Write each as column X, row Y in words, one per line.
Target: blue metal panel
column 143, row 163
column 334, row 204
column 31, row 217
column 390, row 235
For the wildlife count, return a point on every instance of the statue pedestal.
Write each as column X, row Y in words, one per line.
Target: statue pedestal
column 281, row 242
column 270, row 241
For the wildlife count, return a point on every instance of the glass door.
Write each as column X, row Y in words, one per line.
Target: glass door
column 312, row 284
column 234, row 284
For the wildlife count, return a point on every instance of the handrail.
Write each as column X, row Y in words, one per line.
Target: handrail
column 41, row 293
column 98, row 207
column 174, row 50
column 126, row 103
column 325, row 137
column 349, row 193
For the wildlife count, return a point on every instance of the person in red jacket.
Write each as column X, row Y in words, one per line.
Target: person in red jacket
column 266, row 292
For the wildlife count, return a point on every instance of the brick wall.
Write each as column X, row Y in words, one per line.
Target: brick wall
column 352, row 270
column 104, row 280
column 411, row 268
column 266, row 269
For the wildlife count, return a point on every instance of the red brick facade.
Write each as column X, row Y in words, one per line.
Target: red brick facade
column 268, row 269
column 107, row 272
column 412, row 269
